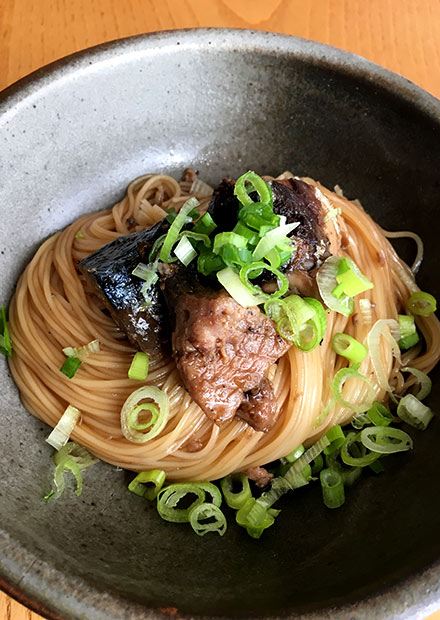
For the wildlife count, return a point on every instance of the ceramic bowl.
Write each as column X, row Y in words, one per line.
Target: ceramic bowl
column 72, row 136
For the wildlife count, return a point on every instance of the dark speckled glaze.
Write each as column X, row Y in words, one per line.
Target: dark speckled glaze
column 71, row 138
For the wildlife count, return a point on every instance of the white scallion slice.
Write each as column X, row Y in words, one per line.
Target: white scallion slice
column 413, row 412
column 385, row 439
column 231, row 281
column 159, row 409
column 389, row 329
column 185, row 251
column 201, row 189
column 327, row 282
column 272, row 239
column 74, row 458
column 423, row 379
column 62, row 431
column 338, row 383
column 366, row 312
column 84, row 351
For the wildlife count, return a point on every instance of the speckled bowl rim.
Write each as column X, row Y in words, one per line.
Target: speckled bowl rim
column 415, row 597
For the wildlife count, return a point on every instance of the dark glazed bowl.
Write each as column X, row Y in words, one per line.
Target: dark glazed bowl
column 72, row 136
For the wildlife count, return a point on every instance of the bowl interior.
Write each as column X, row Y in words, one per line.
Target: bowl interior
column 222, row 102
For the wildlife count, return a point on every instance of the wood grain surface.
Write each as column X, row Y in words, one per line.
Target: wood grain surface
column 401, row 35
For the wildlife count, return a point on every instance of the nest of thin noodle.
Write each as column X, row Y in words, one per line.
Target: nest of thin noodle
column 51, row 310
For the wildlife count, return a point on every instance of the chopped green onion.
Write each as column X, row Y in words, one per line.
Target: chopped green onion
column 260, row 217
column 231, row 281
column 133, row 418
column 272, row 239
column 336, row 438
column 295, row 454
column 385, row 439
column 389, row 329
column 231, row 238
column 351, row 281
column 148, row 483
column 201, row 513
column 251, row 182
column 5, row 342
column 408, row 341
column 61, row 433
column 148, row 273
column 170, row 496
column 332, row 487
column 74, row 458
column 208, row 262
column 317, row 464
column 185, row 251
column 408, row 332
column 242, row 230
column 293, row 477
column 79, row 235
column 338, row 382
column 196, row 236
column 255, row 517
column 247, row 270
column 156, row 247
column 423, row 379
column 232, row 255
column 70, row 367
column 326, row 280
column 175, row 229
column 379, row 415
column 130, row 425
column 300, row 320
column 422, row 303
column 360, row 420
column 205, row 225
column 213, row 491
column 138, row 370
column 84, row 351
column 236, row 499
column 413, row 412
column 354, row 453
column 349, row 347
column 350, row 474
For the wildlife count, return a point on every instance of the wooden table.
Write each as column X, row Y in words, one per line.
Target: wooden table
column 402, row 35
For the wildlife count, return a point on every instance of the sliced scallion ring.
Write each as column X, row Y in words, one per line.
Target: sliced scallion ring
column 332, row 486
column 236, row 498
column 130, row 412
column 349, row 347
column 354, row 453
column 170, row 496
column 198, row 519
column 247, row 270
column 148, row 483
column 251, row 182
column 338, row 382
column 385, row 439
column 413, row 412
column 422, row 303
column 175, row 229
column 326, row 280
column 423, row 379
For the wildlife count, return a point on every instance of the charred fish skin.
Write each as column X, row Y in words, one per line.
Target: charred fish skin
column 109, row 271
